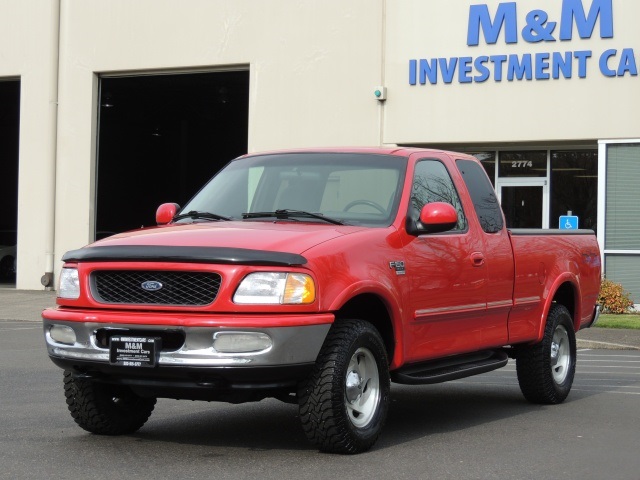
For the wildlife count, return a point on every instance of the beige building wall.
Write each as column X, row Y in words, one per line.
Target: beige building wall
column 313, row 68
column 589, row 108
column 313, row 64
column 29, row 52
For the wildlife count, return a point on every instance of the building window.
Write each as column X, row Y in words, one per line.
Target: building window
column 574, row 187
column 536, row 187
column 622, row 229
column 523, row 164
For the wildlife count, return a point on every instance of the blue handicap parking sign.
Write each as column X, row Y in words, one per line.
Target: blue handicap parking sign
column 568, row 222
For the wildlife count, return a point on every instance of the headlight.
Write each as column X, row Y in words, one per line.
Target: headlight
column 262, row 288
column 69, row 284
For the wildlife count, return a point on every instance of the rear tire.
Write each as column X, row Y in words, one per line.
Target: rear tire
column 546, row 370
column 105, row 409
column 344, row 403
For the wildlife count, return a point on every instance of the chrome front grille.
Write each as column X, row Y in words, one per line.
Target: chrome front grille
column 125, row 287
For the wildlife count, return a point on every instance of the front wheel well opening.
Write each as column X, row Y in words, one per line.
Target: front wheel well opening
column 371, row 308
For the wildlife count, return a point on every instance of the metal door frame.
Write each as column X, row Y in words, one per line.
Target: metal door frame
column 528, row 182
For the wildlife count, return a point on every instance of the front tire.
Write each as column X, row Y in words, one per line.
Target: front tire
column 105, row 409
column 546, row 370
column 344, row 403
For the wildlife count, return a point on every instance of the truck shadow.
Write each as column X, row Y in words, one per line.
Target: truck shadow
column 416, row 412
column 421, row 411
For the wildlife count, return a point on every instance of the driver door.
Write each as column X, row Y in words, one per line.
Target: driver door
column 447, row 275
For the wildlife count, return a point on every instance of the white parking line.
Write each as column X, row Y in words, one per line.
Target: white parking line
column 604, row 391
column 613, row 366
column 586, row 372
column 609, row 361
column 596, row 372
column 606, row 386
column 609, row 355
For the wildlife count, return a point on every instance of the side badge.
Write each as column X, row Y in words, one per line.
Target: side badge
column 398, row 266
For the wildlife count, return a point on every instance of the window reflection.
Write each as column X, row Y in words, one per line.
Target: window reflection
column 488, row 161
column 574, row 186
column 484, row 198
column 432, row 183
column 523, row 164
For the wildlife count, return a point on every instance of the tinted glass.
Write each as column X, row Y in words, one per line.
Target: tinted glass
column 488, row 160
column 483, row 196
column 574, row 187
column 523, row 164
column 522, row 206
column 432, row 183
column 358, row 189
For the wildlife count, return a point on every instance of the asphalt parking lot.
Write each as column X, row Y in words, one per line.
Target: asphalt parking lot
column 477, row 428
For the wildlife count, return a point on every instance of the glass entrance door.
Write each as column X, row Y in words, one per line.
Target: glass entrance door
column 525, row 203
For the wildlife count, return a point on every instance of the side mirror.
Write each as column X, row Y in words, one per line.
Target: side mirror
column 434, row 217
column 166, row 212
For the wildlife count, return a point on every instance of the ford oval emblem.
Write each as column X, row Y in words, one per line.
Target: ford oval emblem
column 151, row 286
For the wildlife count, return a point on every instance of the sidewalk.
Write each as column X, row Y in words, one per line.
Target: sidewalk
column 26, row 305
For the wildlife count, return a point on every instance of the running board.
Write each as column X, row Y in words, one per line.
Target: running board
column 450, row 368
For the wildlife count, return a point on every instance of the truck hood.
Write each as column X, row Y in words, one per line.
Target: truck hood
column 276, row 236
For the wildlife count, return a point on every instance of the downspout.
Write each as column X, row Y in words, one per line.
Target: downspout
column 383, row 59
column 49, row 216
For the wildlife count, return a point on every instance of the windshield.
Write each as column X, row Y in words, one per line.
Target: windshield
column 357, row 189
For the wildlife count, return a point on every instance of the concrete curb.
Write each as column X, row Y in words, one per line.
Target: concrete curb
column 593, row 345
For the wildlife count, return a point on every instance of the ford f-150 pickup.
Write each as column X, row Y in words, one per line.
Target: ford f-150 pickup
column 318, row 278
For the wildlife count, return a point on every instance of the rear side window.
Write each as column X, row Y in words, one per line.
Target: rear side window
column 483, row 196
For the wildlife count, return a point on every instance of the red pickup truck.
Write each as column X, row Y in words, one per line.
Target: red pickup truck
column 318, row 277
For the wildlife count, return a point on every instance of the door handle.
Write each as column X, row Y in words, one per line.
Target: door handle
column 477, row 259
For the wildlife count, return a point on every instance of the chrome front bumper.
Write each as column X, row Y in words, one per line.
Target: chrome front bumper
column 290, row 345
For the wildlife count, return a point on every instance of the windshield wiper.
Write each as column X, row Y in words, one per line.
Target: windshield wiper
column 288, row 213
column 200, row 215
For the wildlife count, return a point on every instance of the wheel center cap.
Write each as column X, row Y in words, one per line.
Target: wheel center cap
column 354, row 386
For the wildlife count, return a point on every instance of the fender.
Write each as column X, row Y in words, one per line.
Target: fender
column 572, row 279
column 391, row 300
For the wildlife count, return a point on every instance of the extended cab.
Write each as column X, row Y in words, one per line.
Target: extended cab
column 318, row 277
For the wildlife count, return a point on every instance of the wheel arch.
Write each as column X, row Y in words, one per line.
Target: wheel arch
column 376, row 310
column 565, row 291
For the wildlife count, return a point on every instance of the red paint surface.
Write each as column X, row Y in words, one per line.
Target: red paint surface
column 460, row 292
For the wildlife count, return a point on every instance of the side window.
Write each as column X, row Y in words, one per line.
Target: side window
column 483, row 196
column 432, row 183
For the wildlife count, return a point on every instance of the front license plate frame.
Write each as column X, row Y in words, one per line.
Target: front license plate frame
column 134, row 351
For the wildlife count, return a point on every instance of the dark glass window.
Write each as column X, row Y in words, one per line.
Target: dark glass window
column 574, row 187
column 432, row 183
column 483, row 196
column 488, row 161
column 523, row 164
column 522, row 206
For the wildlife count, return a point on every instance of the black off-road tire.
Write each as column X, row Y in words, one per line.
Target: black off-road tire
column 344, row 403
column 105, row 409
column 546, row 370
